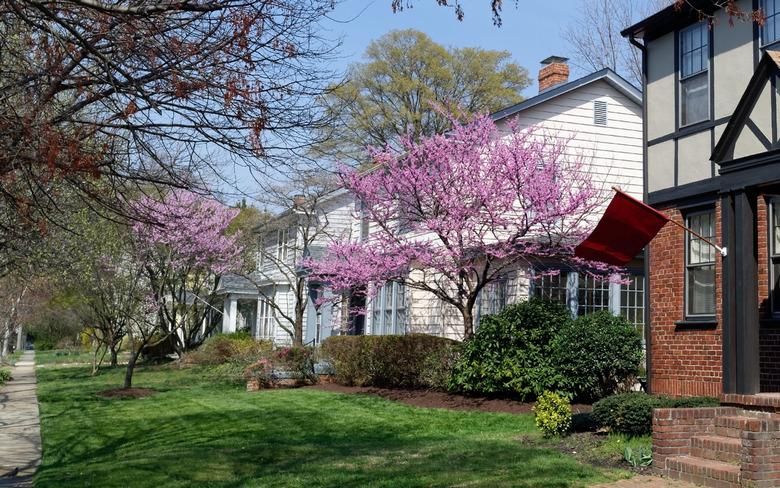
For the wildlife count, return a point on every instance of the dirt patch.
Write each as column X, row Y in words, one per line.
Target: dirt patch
column 127, row 393
column 440, row 399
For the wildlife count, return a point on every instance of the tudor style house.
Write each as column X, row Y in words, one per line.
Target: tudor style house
column 600, row 114
column 712, row 164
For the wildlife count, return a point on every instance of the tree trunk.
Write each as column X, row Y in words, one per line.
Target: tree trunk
column 298, row 330
column 131, row 368
column 20, row 338
column 468, row 323
column 112, row 349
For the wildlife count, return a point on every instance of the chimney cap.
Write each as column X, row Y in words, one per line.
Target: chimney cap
column 554, row 60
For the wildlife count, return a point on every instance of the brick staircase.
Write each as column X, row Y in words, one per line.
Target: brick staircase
column 722, row 447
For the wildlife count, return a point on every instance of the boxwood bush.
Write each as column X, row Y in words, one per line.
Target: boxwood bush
column 595, row 354
column 511, row 353
column 392, row 361
column 632, row 413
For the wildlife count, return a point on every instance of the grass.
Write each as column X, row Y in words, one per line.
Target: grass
column 68, row 356
column 200, row 432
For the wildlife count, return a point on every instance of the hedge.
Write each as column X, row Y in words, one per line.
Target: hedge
column 391, row 361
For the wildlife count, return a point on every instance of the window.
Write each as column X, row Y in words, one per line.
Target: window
column 388, row 310
column 362, row 215
column 632, row 302
column 694, row 76
column 592, row 294
column 282, row 237
column 492, row 299
column 266, row 317
column 700, row 265
column 600, row 112
column 769, row 31
column 551, row 287
column 774, row 253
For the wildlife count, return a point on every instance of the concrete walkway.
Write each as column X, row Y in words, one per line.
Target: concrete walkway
column 20, row 427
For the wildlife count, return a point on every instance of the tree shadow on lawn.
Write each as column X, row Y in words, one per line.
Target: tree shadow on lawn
column 230, row 438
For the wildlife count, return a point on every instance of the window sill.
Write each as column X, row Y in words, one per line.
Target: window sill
column 697, row 324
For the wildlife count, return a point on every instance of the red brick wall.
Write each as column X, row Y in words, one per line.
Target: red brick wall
column 769, row 336
column 685, row 361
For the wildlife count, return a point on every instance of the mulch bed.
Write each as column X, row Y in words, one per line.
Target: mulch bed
column 440, row 399
column 127, row 393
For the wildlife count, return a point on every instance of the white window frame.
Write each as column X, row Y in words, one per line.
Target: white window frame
column 688, row 266
column 397, row 325
column 773, row 254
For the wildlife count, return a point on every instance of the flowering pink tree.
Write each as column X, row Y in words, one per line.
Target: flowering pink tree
column 182, row 244
column 456, row 212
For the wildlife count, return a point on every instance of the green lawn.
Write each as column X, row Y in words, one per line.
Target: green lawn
column 200, row 432
column 65, row 356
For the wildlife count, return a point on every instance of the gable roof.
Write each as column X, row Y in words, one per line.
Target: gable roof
column 768, row 66
column 670, row 18
column 610, row 77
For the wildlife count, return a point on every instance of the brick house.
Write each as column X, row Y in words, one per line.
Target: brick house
column 712, row 164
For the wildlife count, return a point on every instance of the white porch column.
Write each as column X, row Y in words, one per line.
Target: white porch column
column 229, row 314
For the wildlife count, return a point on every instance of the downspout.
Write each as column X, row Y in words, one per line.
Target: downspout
column 646, row 261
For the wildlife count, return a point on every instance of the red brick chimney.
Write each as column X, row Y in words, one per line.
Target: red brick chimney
column 554, row 71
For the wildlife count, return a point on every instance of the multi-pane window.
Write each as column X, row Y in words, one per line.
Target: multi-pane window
column 266, row 318
column 774, row 251
column 632, row 301
column 694, row 77
column 282, row 236
column 492, row 299
column 700, row 265
column 388, row 310
column 551, row 287
column 770, row 31
column 592, row 294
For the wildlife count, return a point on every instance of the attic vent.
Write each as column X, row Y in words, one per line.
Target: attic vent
column 600, row 112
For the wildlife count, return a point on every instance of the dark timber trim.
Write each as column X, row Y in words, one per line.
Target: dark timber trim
column 746, row 294
column 728, row 294
column 698, row 191
column 690, row 130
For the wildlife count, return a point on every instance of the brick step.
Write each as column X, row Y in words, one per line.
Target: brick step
column 716, row 448
column 705, row 472
column 733, row 425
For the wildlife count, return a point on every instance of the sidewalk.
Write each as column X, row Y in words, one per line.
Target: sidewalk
column 20, row 428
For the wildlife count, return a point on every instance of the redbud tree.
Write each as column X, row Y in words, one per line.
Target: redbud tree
column 453, row 213
column 183, row 246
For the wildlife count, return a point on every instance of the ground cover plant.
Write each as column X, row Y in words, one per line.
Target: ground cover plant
column 196, row 431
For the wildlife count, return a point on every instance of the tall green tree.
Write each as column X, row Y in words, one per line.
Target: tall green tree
column 397, row 89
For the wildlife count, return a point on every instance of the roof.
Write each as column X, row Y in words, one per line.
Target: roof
column 724, row 149
column 670, row 19
column 610, row 77
column 231, row 283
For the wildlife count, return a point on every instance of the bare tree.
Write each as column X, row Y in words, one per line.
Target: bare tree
column 303, row 229
column 134, row 93
column 594, row 36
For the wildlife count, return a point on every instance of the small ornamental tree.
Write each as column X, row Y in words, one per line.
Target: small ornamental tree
column 184, row 249
column 456, row 212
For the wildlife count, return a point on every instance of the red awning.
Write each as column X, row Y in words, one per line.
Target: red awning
column 626, row 227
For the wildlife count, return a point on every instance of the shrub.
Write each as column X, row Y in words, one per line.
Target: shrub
column 237, row 347
column 632, row 413
column 396, row 361
column 510, row 354
column 298, row 361
column 553, row 414
column 5, row 375
column 595, row 354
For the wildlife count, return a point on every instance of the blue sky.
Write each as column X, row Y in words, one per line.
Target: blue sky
column 531, row 31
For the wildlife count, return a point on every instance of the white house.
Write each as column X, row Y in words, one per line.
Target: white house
column 601, row 116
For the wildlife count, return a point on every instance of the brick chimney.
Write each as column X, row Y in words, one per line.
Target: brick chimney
column 554, row 71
